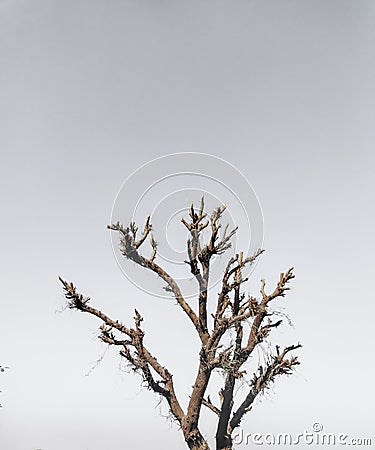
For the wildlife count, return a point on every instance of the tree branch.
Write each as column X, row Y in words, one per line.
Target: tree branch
column 142, row 360
column 129, row 248
column 279, row 291
column 277, row 365
column 210, row 406
column 195, row 226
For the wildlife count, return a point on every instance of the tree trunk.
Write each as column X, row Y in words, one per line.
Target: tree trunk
column 201, row 446
column 224, row 443
column 196, row 441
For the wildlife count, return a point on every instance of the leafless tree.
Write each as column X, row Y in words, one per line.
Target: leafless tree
column 234, row 310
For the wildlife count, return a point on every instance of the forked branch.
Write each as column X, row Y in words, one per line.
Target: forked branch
column 129, row 248
column 132, row 348
column 262, row 380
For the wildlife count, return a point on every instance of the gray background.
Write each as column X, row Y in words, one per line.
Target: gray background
column 89, row 91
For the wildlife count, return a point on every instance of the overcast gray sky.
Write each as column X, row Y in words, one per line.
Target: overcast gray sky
column 90, row 90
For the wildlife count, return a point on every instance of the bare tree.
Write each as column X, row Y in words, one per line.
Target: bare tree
column 233, row 311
